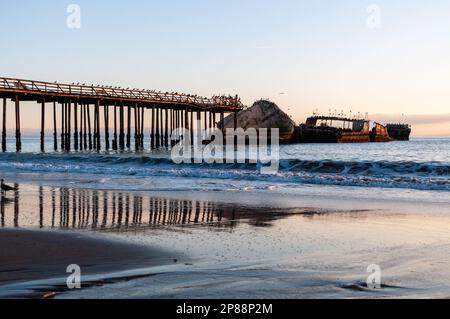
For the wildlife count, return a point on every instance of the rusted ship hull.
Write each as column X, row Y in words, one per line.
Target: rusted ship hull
column 313, row 135
column 328, row 135
column 354, row 138
column 399, row 132
column 380, row 134
column 322, row 129
column 338, row 129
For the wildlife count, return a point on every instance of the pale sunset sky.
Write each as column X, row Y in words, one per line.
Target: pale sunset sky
column 303, row 55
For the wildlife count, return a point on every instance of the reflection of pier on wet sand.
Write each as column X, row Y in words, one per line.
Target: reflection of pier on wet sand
column 85, row 209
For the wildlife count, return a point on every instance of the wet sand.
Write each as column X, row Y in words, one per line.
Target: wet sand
column 231, row 244
column 35, row 255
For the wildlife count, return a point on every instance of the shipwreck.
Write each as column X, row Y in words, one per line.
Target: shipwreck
column 399, row 132
column 317, row 128
column 333, row 129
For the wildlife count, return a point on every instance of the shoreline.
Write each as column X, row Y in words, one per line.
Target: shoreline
column 232, row 244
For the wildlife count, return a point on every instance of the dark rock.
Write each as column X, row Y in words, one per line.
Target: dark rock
column 264, row 114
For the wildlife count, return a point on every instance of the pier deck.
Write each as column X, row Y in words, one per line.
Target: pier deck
column 77, row 104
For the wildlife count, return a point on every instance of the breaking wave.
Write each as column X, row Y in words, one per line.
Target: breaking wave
column 387, row 174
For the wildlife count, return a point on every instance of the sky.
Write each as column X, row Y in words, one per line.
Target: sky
column 303, row 55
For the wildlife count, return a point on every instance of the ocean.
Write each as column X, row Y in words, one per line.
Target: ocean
column 420, row 164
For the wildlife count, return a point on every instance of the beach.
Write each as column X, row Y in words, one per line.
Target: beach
column 313, row 242
column 140, row 226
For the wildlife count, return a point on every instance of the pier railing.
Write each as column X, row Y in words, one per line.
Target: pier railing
column 11, row 85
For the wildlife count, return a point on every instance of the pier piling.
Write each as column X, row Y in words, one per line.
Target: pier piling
column 88, row 111
column 97, row 124
column 4, row 126
column 161, row 127
column 106, row 118
column 157, row 138
column 43, row 125
column 222, row 118
column 122, row 129
column 191, row 128
column 115, row 128
column 186, row 119
column 69, row 126
column 18, row 132
column 75, row 123
column 199, row 127
column 136, row 127
column 152, row 129
column 95, row 127
column 166, row 128
column 142, row 127
column 85, row 125
column 80, row 126
column 63, row 106
column 129, row 127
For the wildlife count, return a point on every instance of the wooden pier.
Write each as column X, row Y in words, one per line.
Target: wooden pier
column 85, row 110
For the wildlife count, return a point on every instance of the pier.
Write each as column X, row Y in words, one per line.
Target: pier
column 81, row 112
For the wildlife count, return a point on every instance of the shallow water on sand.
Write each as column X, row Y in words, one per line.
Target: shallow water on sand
column 313, row 243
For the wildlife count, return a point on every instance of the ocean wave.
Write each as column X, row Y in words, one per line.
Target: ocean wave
column 389, row 174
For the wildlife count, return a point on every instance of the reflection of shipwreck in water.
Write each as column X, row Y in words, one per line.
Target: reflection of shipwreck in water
column 336, row 129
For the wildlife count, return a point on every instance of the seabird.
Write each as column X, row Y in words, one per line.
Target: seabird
column 6, row 188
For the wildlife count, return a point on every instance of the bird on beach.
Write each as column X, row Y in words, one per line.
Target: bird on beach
column 5, row 188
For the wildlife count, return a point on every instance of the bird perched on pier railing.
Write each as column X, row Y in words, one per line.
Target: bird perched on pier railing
column 6, row 188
